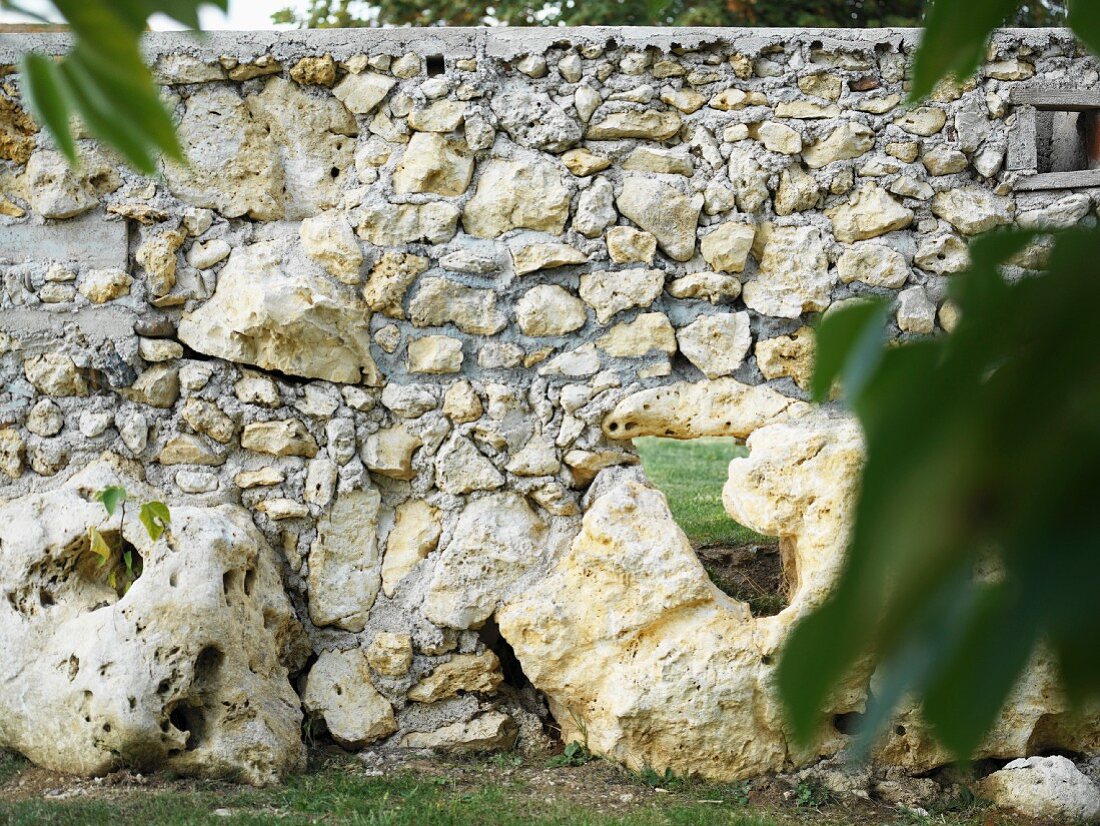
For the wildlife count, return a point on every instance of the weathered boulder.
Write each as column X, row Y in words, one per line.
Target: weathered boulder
column 1044, row 787
column 281, row 317
column 643, row 658
column 186, row 671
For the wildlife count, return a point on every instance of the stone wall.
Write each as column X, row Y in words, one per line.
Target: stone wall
column 382, row 347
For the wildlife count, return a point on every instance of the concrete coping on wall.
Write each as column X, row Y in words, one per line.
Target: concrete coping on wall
column 501, row 42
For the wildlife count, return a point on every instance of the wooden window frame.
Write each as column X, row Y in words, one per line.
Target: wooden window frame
column 1023, row 149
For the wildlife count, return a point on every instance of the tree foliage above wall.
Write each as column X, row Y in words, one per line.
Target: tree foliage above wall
column 800, row 13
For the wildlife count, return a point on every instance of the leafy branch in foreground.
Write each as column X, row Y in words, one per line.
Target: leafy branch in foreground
column 104, row 79
column 123, row 566
column 977, row 533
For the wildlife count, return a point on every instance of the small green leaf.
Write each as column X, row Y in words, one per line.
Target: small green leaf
column 849, row 344
column 49, row 99
column 111, row 496
column 954, row 39
column 99, row 546
column 155, row 517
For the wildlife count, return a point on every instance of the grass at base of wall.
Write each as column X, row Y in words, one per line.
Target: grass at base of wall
column 691, row 474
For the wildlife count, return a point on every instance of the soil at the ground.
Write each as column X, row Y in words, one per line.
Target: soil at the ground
column 591, row 785
column 751, row 573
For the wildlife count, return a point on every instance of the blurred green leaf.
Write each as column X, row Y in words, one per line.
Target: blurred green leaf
column 976, row 531
column 48, row 96
column 156, row 518
column 849, row 346
column 954, row 40
column 111, row 496
column 1084, row 19
column 104, row 79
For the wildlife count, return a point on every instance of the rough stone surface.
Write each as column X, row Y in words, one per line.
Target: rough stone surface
column 404, row 323
column 188, row 670
column 1044, row 787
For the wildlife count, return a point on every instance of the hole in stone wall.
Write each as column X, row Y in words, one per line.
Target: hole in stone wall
column 509, row 662
column 742, row 563
column 848, row 723
column 435, row 65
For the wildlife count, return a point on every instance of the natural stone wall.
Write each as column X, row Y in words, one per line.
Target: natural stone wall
column 382, row 347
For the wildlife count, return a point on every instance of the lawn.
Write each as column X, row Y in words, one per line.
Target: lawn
column 503, row 790
column 691, row 474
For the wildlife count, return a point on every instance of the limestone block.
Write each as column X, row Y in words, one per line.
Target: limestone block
column 543, row 256
column 550, row 310
column 873, row 264
column 916, row 313
column 187, row 672
column 491, row 731
column 415, row 534
column 686, row 100
column 314, row 137
column 390, row 451
column 797, row 192
column 55, row 374
column 185, row 449
column 1044, row 787
column 942, row 255
column 633, row 339
column 461, row 403
column 659, row 161
column 973, row 210
column 233, row 166
column 339, row 691
column 159, row 386
column 708, row 286
column 433, row 163
column 627, row 245
column 440, row 116
column 12, row 452
column 847, row 141
column 716, row 344
column 496, row 540
column 441, row 301
column 314, row 70
column 388, row 225
column 330, row 241
column 513, row 194
column 730, row 100
column 750, row 182
column 533, row 120
column 806, row 110
column 649, row 125
column 678, row 697
column 611, row 292
column 282, row 437
column 778, row 137
column 690, row 410
column 595, row 209
column 17, row 131
column 726, row 248
column 101, row 286
column 664, row 211
column 943, row 160
column 391, row 277
column 390, row 654
column 582, row 162
column 924, row 121
column 794, row 275
column 539, row 457
column 869, row 213
column 360, row 93
column 435, row 354
column 788, row 357
column 157, row 255
column 263, row 312
column 461, row 468
column 345, row 569
column 463, row 673
column 45, row 418
column 57, row 191
column 822, row 85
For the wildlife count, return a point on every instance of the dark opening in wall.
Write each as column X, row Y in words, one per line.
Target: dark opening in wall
column 1058, row 135
column 740, row 562
column 435, row 65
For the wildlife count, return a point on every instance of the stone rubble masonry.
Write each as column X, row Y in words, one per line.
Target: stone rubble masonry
column 383, row 347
